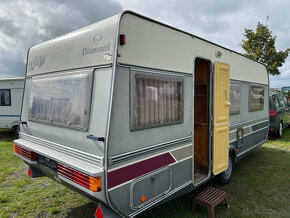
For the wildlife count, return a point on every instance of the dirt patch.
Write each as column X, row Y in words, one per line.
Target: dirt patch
column 6, row 135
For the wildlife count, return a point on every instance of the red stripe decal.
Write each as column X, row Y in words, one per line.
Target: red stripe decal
column 135, row 170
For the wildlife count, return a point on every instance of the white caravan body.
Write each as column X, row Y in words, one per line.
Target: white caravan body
column 11, row 92
column 131, row 112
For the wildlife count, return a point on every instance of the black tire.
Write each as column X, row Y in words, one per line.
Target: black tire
column 225, row 177
column 280, row 130
column 16, row 131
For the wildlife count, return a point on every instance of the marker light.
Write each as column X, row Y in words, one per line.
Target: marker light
column 122, row 39
column 143, row 199
column 95, row 184
column 99, row 212
column 29, row 172
column 92, row 183
column 273, row 113
column 24, row 152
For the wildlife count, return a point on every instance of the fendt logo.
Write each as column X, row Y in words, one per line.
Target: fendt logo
column 97, row 39
column 37, row 62
column 100, row 48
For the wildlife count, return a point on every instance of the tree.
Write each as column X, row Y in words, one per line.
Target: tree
column 260, row 45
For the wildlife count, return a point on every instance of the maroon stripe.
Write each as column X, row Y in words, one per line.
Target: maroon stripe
column 135, row 170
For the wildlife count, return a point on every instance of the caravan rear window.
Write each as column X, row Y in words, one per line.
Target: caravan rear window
column 5, row 97
column 61, row 99
column 158, row 100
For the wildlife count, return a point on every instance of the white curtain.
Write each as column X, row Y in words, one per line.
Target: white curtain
column 5, row 97
column 157, row 100
column 61, row 99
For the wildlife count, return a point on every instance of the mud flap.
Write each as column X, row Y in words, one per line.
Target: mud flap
column 103, row 212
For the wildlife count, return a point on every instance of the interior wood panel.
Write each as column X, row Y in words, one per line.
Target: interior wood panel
column 201, row 118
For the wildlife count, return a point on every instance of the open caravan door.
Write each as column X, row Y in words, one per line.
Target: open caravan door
column 221, row 117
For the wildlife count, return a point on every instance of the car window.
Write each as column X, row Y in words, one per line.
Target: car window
column 281, row 101
column 286, row 101
column 276, row 102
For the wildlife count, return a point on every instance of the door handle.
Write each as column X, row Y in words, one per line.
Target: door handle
column 228, row 104
column 96, row 138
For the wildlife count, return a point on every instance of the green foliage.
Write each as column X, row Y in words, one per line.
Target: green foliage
column 260, row 45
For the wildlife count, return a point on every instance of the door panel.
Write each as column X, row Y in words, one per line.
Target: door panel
column 221, row 117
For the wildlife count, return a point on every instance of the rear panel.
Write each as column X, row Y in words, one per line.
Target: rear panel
column 66, row 106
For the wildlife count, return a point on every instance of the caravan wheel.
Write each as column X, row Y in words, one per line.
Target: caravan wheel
column 280, row 130
column 225, row 177
column 16, row 131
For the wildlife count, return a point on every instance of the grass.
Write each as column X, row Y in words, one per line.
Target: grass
column 260, row 187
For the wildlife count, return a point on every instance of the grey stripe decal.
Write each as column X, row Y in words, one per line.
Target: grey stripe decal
column 247, row 130
column 247, row 123
column 125, row 156
column 182, row 153
column 259, row 126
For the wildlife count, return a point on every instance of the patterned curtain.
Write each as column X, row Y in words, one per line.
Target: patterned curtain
column 157, row 100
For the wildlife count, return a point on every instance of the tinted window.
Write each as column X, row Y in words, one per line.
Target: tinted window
column 286, row 101
column 276, row 102
column 158, row 100
column 281, row 101
column 5, row 97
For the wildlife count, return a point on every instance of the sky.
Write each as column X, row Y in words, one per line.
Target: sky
column 24, row 23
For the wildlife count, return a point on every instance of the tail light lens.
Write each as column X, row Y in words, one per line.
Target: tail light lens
column 273, row 113
column 92, row 183
column 24, row 152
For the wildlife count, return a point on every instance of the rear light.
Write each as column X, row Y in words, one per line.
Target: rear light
column 24, row 152
column 271, row 129
column 273, row 113
column 92, row 183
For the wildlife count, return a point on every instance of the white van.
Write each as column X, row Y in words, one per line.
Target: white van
column 11, row 92
column 131, row 112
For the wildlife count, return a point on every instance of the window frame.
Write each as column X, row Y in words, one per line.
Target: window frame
column 91, row 73
column 132, row 86
column 249, row 95
column 282, row 102
column 236, row 83
column 6, row 105
column 275, row 97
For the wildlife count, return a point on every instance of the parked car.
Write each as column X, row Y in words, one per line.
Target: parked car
column 279, row 114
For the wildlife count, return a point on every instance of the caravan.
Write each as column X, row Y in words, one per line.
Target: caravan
column 11, row 92
column 131, row 112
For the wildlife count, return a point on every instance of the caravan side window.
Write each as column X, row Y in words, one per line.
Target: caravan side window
column 235, row 98
column 256, row 98
column 5, row 97
column 158, row 100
